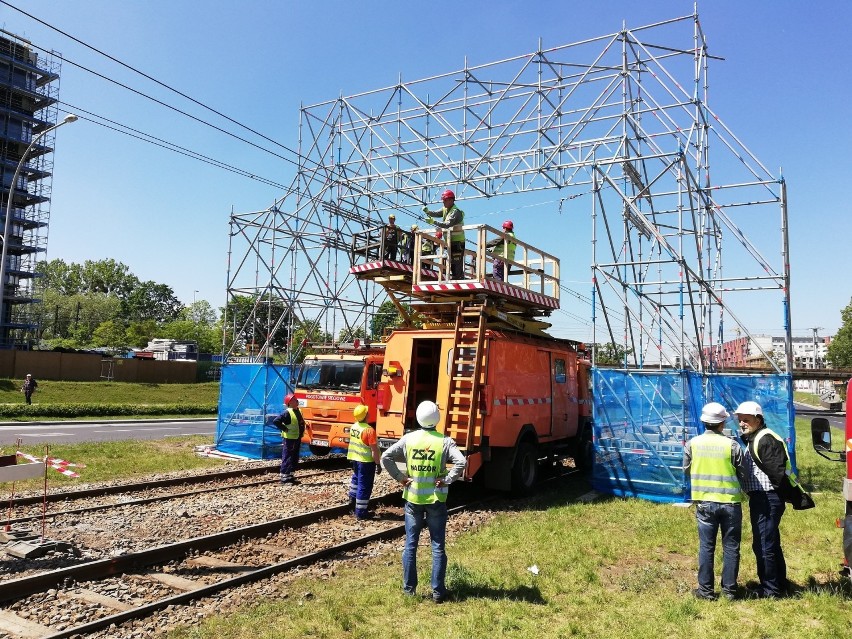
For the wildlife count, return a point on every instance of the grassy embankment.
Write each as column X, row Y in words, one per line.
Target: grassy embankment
column 69, row 400
column 614, row 569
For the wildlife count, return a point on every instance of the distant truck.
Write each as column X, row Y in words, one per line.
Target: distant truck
column 329, row 387
column 166, row 349
column 821, row 438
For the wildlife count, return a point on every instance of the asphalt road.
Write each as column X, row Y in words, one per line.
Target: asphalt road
column 106, row 430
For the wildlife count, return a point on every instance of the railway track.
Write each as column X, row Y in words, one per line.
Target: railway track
column 111, row 595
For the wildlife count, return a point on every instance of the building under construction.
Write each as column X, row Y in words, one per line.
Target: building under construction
column 29, row 87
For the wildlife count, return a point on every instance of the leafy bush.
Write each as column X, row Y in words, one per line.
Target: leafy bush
column 103, row 410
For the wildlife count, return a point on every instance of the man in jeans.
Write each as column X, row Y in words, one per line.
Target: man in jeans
column 716, row 471
column 425, row 454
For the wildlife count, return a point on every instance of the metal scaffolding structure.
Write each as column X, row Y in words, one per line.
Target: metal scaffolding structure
column 620, row 122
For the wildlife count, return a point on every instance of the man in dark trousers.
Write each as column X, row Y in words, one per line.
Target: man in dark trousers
column 426, row 454
column 29, row 388
column 292, row 427
column 766, row 459
column 716, row 470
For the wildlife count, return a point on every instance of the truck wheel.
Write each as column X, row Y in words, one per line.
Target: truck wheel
column 584, row 452
column 319, row 451
column 525, row 469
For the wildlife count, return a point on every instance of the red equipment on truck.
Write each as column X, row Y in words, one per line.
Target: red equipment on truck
column 510, row 394
column 821, row 437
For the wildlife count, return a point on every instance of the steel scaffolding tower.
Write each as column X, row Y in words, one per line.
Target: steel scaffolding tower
column 620, row 122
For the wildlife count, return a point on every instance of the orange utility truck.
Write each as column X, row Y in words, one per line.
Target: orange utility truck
column 330, row 386
column 510, row 395
column 822, row 442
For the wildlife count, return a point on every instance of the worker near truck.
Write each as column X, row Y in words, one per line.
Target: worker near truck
column 716, row 468
column 767, row 464
column 363, row 456
column 452, row 218
column 292, row 426
column 498, row 245
column 426, row 454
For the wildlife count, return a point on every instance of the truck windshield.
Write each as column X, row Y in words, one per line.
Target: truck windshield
column 331, row 375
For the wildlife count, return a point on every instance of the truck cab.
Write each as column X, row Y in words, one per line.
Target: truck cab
column 329, row 387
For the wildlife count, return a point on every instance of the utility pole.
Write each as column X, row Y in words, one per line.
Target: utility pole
column 815, row 329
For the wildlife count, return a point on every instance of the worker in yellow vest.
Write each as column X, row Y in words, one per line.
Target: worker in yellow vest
column 498, row 246
column 292, row 426
column 426, row 455
column 452, row 218
column 363, row 456
column 716, row 467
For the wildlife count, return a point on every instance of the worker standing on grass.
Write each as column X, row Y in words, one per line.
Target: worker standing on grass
column 425, row 480
column 29, row 387
column 716, row 468
column 452, row 219
column 767, row 465
column 363, row 455
column 292, row 427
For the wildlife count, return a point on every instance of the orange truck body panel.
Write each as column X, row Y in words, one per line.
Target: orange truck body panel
column 329, row 388
column 529, row 384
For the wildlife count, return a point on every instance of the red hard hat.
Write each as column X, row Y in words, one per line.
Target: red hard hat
column 289, row 397
column 448, row 194
column 508, row 225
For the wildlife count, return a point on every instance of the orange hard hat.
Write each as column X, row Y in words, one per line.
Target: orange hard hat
column 446, row 195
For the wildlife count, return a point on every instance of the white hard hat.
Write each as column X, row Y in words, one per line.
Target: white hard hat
column 428, row 414
column 714, row 413
column 749, row 408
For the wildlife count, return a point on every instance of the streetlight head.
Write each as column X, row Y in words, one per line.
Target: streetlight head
column 70, row 118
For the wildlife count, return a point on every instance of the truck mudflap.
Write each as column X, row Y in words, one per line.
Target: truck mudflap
column 847, row 546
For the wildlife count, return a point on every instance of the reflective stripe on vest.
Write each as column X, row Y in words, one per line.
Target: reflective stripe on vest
column 788, row 467
column 424, row 460
column 712, row 472
column 358, row 450
column 457, row 234
column 510, row 254
column 291, row 430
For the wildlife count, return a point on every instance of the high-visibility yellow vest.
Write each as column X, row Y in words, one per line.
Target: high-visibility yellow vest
column 788, row 467
column 712, row 472
column 510, row 253
column 358, row 450
column 456, row 234
column 291, row 430
column 424, row 464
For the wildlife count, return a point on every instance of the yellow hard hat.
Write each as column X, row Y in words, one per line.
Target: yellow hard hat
column 360, row 412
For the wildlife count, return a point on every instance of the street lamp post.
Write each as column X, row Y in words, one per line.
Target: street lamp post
column 8, row 222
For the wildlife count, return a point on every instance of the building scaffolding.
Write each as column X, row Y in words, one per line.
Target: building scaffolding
column 620, row 123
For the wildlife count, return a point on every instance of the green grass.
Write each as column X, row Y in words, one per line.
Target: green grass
column 121, row 460
column 614, row 569
column 70, row 400
column 111, row 393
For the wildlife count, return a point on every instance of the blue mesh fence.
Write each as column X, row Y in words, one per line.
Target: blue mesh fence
column 643, row 419
column 250, row 397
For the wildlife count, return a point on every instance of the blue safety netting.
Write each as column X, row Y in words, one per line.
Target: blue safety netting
column 250, row 397
column 643, row 419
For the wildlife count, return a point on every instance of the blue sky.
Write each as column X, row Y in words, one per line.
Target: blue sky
column 782, row 89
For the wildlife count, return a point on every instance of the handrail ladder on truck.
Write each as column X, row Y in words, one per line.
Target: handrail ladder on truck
column 510, row 394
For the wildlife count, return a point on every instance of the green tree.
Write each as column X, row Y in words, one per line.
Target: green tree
column 151, row 301
column 386, row 318
column 140, row 333
column 611, row 354
column 110, row 334
column 839, row 353
column 251, row 319
column 348, row 335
